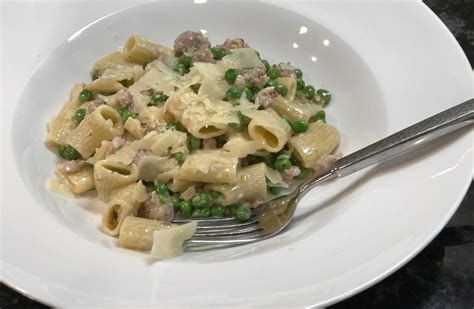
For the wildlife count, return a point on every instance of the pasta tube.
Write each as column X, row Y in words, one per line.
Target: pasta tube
column 269, row 128
column 134, row 127
column 139, row 49
column 137, row 233
column 210, row 166
column 294, row 110
column 251, row 186
column 320, row 139
column 103, row 124
column 78, row 182
column 200, row 116
column 110, row 176
column 125, row 203
column 61, row 126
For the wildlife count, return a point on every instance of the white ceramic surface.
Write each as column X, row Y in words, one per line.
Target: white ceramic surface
column 383, row 77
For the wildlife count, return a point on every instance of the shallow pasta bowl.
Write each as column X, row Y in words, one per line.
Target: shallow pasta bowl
column 383, row 79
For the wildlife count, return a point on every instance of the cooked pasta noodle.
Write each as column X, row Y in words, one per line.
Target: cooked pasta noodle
column 188, row 132
column 124, row 204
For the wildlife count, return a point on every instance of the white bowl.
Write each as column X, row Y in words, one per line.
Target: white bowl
column 383, row 74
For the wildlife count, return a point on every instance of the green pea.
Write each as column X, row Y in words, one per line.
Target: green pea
column 217, row 210
column 161, row 188
column 268, row 160
column 254, row 88
column 243, row 213
column 299, row 93
column 244, row 119
column 282, row 164
column 175, row 201
column 206, row 212
column 181, row 69
column 320, row 115
column 194, row 142
column 294, row 160
column 79, row 115
column 185, row 208
column 157, row 99
column 304, row 173
column 68, row 152
column 233, row 93
column 231, row 210
column 231, row 75
column 187, row 61
column 218, row 53
column 274, row 190
column 126, row 113
column 298, row 73
column 271, row 83
column 324, row 95
column 236, row 127
column 281, row 90
column 85, row 95
column 146, row 63
column 200, row 200
column 197, row 213
column 180, row 157
column 163, row 199
column 300, row 84
column 267, row 65
column 202, row 213
column 284, row 153
column 299, row 126
column 248, row 93
column 214, row 194
column 273, row 73
column 173, row 126
column 309, row 91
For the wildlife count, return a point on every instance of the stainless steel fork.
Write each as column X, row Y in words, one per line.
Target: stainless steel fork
column 274, row 216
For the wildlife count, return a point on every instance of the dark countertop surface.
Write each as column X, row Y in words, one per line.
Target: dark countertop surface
column 442, row 275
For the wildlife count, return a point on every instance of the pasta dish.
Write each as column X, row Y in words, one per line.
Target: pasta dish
column 190, row 132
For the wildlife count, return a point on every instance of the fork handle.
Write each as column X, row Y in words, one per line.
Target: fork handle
column 407, row 139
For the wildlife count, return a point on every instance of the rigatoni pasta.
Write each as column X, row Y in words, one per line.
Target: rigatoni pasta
column 103, row 124
column 210, row 166
column 188, row 132
column 125, row 203
column 78, row 180
column 137, row 233
column 251, row 186
column 269, row 128
column 140, row 49
column 61, row 126
column 110, row 176
column 320, row 139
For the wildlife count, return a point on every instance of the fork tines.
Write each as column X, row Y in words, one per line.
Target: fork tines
column 228, row 230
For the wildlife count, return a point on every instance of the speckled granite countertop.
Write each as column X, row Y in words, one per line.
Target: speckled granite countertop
column 442, row 275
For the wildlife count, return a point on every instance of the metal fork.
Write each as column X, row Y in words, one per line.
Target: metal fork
column 274, row 216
